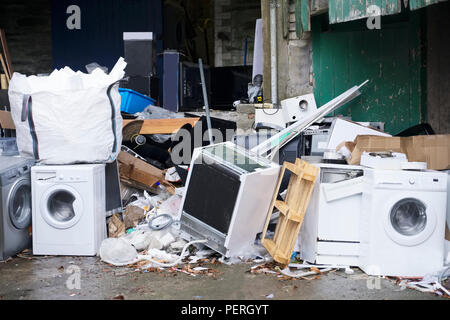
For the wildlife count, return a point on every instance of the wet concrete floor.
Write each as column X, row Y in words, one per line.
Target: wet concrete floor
column 62, row 278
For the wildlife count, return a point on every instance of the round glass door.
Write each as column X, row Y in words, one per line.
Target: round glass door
column 409, row 217
column 62, row 207
column 19, row 204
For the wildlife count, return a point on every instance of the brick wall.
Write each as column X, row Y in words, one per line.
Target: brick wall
column 28, row 31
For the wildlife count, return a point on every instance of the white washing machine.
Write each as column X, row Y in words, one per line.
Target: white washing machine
column 403, row 222
column 69, row 215
column 15, row 208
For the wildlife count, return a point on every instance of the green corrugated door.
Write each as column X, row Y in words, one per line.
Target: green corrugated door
column 347, row 54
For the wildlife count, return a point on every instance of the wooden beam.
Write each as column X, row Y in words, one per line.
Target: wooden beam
column 4, row 68
column 6, row 52
column 163, row 126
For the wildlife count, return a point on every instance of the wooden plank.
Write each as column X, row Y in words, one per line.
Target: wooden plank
column 4, row 68
column 6, row 52
column 163, row 126
column 293, row 208
column 282, row 207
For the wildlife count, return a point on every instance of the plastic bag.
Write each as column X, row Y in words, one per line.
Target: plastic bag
column 68, row 117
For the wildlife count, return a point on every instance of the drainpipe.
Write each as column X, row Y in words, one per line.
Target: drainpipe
column 273, row 51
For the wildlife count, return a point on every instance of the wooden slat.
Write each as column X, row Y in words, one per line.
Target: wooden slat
column 163, row 126
column 283, row 207
column 6, row 52
column 4, row 68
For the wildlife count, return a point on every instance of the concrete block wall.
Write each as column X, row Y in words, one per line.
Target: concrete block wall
column 234, row 21
column 28, row 31
column 295, row 73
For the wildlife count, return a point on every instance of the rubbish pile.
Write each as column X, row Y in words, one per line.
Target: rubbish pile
column 319, row 195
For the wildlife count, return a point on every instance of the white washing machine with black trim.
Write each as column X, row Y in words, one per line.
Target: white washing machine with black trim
column 403, row 222
column 69, row 215
column 15, row 214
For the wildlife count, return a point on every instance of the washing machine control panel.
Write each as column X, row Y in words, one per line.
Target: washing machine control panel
column 414, row 180
column 59, row 177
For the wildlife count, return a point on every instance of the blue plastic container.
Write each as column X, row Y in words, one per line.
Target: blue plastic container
column 133, row 102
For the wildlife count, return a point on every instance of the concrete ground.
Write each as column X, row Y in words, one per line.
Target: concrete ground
column 56, row 278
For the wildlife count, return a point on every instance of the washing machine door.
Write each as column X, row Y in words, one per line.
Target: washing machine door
column 19, row 204
column 410, row 222
column 61, row 206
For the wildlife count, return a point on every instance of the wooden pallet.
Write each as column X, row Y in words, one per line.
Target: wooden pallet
column 292, row 210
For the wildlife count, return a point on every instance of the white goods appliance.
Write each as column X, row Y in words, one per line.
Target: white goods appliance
column 69, row 215
column 330, row 231
column 227, row 198
column 403, row 222
column 292, row 110
column 15, row 210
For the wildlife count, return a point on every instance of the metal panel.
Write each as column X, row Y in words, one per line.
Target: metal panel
column 302, row 16
column 344, row 54
column 348, row 10
column 417, row 4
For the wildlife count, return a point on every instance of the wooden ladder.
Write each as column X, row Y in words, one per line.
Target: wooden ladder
column 292, row 210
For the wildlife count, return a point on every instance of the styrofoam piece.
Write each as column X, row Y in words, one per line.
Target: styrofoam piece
column 418, row 166
column 137, row 36
column 377, row 162
column 343, row 131
column 344, row 189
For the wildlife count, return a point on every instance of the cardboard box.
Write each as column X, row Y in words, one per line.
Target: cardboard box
column 447, row 234
column 434, row 150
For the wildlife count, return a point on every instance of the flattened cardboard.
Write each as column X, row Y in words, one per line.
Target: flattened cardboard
column 447, row 234
column 373, row 144
column 6, row 120
column 434, row 150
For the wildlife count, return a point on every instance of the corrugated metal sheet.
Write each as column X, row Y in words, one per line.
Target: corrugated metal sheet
column 417, row 4
column 348, row 10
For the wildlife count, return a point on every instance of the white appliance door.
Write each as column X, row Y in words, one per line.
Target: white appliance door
column 19, row 204
column 61, row 206
column 409, row 221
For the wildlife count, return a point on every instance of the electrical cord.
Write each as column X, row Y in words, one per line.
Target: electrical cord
column 162, row 226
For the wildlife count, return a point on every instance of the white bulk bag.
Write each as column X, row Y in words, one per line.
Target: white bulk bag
column 68, row 117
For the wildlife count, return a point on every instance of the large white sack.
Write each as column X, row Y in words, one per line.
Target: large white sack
column 67, row 117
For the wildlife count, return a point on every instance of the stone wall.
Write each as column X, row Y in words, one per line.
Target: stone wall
column 28, row 31
column 235, row 21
